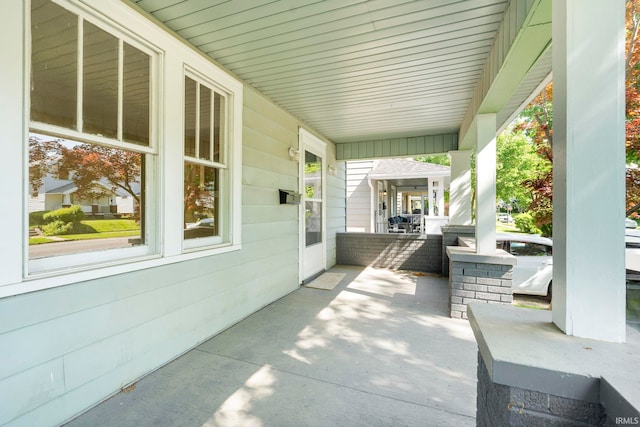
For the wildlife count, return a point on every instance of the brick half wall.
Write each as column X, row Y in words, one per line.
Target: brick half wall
column 414, row 252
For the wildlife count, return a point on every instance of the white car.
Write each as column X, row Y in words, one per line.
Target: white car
column 533, row 272
column 632, row 251
column 534, row 269
column 503, row 217
column 204, row 222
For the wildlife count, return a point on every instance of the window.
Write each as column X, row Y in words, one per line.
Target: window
column 529, row 249
column 206, row 178
column 90, row 143
column 313, row 198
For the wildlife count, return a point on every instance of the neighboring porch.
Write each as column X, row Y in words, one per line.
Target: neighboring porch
column 397, row 195
column 378, row 349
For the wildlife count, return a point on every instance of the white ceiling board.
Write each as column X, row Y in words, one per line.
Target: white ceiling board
column 351, row 69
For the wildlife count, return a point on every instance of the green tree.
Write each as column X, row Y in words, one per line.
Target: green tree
column 438, row 159
column 517, row 161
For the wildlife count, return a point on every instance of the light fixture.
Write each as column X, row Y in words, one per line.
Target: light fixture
column 294, row 154
column 333, row 169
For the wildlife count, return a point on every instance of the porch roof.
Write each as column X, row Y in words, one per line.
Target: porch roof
column 407, row 168
column 376, row 71
column 408, row 172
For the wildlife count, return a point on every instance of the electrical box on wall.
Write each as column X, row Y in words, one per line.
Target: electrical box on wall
column 290, row 197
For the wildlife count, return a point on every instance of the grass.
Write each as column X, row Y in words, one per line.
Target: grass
column 112, row 225
column 40, row 240
column 501, row 227
column 92, row 236
column 104, row 229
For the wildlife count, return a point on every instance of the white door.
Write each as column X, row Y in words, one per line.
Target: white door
column 313, row 207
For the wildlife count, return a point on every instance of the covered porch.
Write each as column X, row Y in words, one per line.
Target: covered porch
column 378, row 349
column 364, row 346
column 397, row 195
column 339, row 81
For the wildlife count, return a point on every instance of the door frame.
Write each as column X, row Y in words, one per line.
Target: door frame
column 309, row 142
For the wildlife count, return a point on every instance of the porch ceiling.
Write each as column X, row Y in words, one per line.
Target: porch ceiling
column 358, row 70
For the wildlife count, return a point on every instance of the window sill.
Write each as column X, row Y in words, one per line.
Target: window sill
column 53, row 279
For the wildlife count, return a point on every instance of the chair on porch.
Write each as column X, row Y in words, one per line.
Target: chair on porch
column 394, row 225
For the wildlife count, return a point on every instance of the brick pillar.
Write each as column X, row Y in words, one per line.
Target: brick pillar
column 478, row 278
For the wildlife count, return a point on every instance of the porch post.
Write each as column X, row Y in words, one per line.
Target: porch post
column 486, row 184
column 440, row 199
column 589, row 163
column 460, row 188
column 430, row 196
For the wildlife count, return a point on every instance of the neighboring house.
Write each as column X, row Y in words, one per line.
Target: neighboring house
column 57, row 193
column 238, row 92
column 378, row 190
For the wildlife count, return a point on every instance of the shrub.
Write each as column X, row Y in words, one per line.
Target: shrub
column 57, row 227
column 525, row 223
column 547, row 230
column 37, row 218
column 81, row 228
column 71, row 214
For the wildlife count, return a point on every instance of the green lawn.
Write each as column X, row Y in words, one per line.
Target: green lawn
column 105, row 228
column 501, row 227
column 40, row 240
column 91, row 236
column 111, row 225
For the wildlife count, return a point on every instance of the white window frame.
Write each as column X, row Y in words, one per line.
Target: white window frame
column 52, row 264
column 225, row 195
column 164, row 202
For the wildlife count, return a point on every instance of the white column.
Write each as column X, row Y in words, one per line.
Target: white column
column 440, row 202
column 486, row 184
column 460, row 188
column 12, row 139
column 430, row 196
column 589, row 164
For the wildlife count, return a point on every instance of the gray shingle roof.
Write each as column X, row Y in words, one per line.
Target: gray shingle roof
column 407, row 168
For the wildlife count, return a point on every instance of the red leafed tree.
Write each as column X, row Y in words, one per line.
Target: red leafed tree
column 88, row 164
column 633, row 105
column 537, row 122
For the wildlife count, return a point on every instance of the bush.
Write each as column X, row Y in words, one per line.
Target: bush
column 547, row 230
column 37, row 218
column 71, row 214
column 57, row 227
column 525, row 223
column 81, row 228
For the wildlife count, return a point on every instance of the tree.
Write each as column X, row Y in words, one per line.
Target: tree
column 95, row 170
column 43, row 157
column 536, row 122
column 89, row 164
column 632, row 110
column 200, row 189
column 438, row 159
column 516, row 162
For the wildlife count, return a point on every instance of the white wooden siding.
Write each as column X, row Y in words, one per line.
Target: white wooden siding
column 358, row 195
column 336, row 203
column 67, row 348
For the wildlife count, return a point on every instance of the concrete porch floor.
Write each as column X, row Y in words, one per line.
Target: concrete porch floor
column 377, row 350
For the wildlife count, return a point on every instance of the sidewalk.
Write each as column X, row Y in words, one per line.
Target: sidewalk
column 377, row 350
